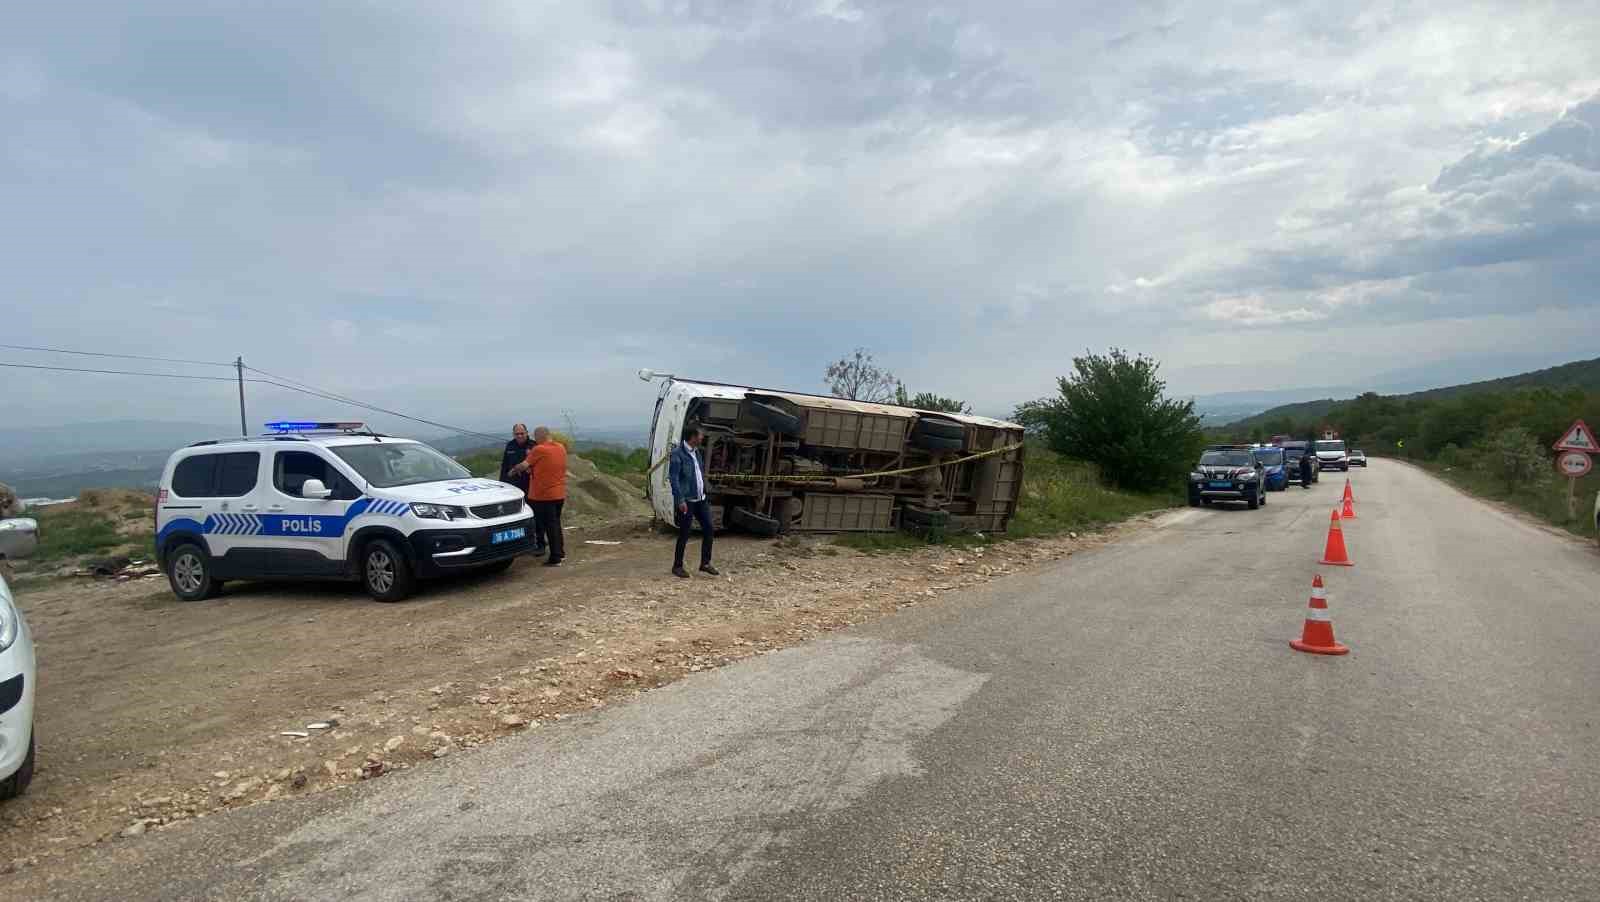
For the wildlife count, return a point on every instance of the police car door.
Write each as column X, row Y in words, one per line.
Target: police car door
column 306, row 535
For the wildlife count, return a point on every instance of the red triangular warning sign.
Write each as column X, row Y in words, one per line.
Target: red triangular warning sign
column 1578, row 438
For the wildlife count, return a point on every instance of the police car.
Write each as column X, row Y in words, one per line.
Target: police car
column 318, row 500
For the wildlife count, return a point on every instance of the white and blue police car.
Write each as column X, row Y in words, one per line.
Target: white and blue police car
column 330, row 500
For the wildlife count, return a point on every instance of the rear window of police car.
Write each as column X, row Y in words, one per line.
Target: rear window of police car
column 216, row 475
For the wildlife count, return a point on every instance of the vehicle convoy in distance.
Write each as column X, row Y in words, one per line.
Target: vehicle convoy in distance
column 329, row 501
column 1228, row 473
column 786, row 462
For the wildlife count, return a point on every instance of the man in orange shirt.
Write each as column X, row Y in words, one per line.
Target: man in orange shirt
column 546, row 467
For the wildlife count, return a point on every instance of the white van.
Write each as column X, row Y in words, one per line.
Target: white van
column 330, row 501
column 1331, row 455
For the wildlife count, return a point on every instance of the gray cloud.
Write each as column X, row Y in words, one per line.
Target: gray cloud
column 480, row 210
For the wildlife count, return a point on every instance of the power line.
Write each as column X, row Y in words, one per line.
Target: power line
column 78, row 369
column 121, row 356
column 283, row 382
column 307, row 389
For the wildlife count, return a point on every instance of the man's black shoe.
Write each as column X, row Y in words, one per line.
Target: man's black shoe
column 707, row 568
column 680, row 573
column 554, row 563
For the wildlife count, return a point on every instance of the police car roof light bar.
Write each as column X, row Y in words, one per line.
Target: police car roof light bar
column 309, row 426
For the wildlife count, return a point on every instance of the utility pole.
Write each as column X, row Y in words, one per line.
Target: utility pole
column 238, row 364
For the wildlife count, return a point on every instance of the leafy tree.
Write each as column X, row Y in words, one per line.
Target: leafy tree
column 858, row 378
column 1113, row 411
column 1515, row 457
column 925, row 400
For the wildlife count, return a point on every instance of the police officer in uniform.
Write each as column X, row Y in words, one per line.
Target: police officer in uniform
column 516, row 452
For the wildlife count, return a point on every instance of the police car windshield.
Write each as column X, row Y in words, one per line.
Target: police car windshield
column 390, row 464
column 1225, row 459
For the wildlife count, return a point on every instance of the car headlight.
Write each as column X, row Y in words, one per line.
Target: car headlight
column 1197, row 477
column 438, row 511
column 10, row 624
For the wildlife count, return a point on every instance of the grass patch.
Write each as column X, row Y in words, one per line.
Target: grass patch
column 482, row 463
column 1058, row 495
column 71, row 533
column 629, row 465
column 615, row 462
column 1545, row 499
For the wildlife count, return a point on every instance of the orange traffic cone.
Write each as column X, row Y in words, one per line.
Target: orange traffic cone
column 1335, row 553
column 1349, row 512
column 1316, row 636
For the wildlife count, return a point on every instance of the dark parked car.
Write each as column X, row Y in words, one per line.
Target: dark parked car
column 1228, row 474
column 1292, row 452
column 1358, row 458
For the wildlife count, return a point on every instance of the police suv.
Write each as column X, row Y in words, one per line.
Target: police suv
column 330, row 501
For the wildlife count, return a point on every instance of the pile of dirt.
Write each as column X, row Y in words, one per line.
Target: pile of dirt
column 596, row 497
column 129, row 509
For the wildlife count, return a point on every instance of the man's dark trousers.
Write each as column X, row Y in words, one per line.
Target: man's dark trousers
column 547, row 517
column 701, row 511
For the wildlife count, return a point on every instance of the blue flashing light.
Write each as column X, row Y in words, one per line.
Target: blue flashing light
column 309, row 426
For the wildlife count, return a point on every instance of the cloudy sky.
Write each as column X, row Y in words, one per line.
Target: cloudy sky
column 483, row 211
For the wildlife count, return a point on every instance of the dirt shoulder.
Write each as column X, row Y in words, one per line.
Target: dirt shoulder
column 151, row 711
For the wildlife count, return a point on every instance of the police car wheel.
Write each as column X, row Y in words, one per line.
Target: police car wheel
column 1252, row 499
column 385, row 572
column 189, row 571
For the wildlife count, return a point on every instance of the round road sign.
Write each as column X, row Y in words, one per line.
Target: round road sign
column 1573, row 464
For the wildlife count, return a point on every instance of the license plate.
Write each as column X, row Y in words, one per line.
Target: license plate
column 1221, row 485
column 508, row 535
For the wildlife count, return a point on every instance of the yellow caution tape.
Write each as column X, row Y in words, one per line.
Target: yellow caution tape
column 751, row 477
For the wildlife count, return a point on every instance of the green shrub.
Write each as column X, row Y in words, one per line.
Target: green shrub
column 1114, row 412
column 1452, row 456
column 1515, row 458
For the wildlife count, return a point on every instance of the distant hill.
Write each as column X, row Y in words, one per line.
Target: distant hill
column 1584, row 374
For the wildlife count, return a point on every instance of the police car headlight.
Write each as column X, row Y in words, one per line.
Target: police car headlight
column 10, row 624
column 438, row 511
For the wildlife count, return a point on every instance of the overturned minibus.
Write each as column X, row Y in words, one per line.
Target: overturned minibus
column 781, row 462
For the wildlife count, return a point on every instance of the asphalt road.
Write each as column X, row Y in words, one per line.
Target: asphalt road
column 1128, row 723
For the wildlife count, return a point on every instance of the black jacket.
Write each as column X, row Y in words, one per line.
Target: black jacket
column 515, row 454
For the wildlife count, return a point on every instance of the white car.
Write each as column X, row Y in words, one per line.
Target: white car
column 1331, row 455
column 18, row 674
column 319, row 501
